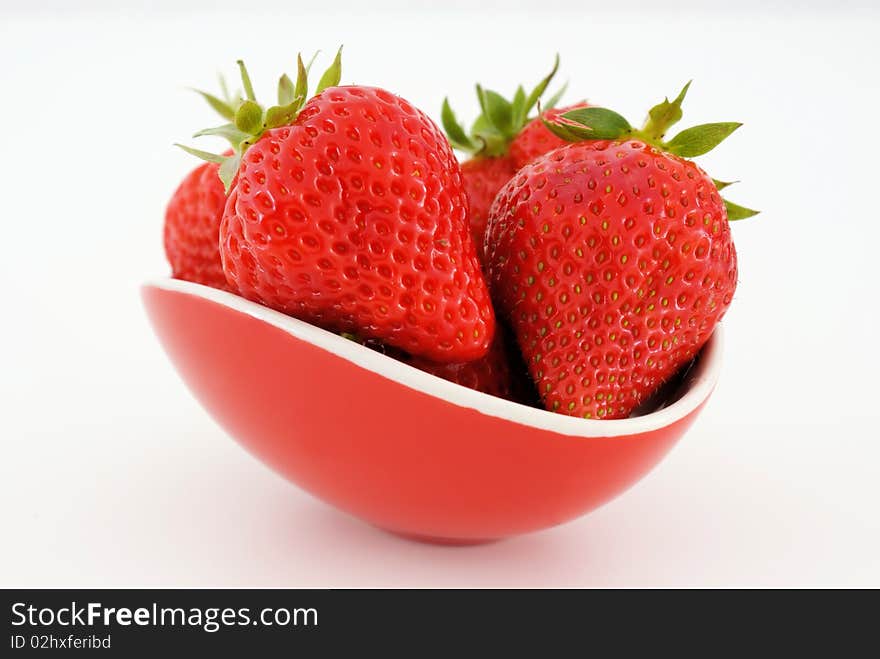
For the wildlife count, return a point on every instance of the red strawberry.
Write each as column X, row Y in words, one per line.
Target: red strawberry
column 499, row 373
column 535, row 139
column 612, row 258
column 490, row 374
column 492, row 136
column 192, row 228
column 483, row 177
column 192, row 218
column 348, row 211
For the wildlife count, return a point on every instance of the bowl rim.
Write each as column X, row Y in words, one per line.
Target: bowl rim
column 701, row 381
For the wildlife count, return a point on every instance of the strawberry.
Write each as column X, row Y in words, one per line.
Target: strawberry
column 612, row 258
column 490, row 374
column 535, row 139
column 493, row 135
column 192, row 217
column 483, row 177
column 347, row 210
column 192, row 228
column 499, row 373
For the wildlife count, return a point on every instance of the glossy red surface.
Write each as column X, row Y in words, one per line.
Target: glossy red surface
column 409, row 461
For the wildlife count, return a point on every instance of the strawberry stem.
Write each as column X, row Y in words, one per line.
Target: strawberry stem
column 663, row 116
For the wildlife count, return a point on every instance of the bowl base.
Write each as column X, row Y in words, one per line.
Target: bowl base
column 439, row 540
column 398, row 447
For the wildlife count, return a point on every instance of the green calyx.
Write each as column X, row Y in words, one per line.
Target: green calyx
column 500, row 119
column 248, row 120
column 226, row 105
column 595, row 123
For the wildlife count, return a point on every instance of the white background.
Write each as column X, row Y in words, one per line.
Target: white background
column 110, row 472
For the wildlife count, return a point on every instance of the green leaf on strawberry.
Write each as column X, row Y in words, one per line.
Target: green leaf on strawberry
column 228, row 132
column 249, row 120
column 594, row 123
column 664, row 115
column 456, row 134
column 222, row 107
column 302, row 77
column 722, row 184
column 553, row 101
column 541, row 87
column 286, row 90
column 497, row 109
column 701, row 139
column 500, row 119
column 282, row 115
column 203, row 155
column 519, row 109
column 737, row 212
column 332, row 75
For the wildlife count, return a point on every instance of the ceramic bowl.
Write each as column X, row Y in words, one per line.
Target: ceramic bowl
column 404, row 450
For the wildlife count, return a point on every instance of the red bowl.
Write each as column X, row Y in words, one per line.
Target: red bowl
column 402, row 449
